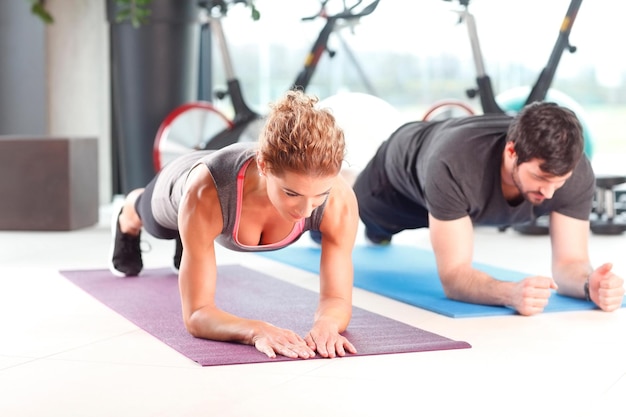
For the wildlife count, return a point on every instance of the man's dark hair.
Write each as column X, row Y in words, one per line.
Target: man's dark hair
column 550, row 133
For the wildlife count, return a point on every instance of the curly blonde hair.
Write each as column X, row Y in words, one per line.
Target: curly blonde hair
column 300, row 137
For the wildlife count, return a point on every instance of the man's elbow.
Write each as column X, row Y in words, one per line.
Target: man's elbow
column 451, row 287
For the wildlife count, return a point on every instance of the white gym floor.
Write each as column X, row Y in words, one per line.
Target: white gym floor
column 62, row 353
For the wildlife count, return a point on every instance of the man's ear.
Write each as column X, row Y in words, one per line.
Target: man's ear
column 510, row 150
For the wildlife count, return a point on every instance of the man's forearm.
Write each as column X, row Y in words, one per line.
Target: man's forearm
column 571, row 278
column 474, row 286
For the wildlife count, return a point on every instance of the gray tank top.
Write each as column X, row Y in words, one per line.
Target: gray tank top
column 227, row 167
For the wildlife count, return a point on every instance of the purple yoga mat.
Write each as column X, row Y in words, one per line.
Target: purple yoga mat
column 152, row 302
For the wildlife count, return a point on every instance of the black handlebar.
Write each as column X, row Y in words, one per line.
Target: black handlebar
column 462, row 2
column 347, row 13
column 221, row 5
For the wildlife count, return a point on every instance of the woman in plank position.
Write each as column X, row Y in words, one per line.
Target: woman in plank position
column 253, row 197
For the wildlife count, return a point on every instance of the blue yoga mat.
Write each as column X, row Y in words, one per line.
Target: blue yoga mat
column 409, row 274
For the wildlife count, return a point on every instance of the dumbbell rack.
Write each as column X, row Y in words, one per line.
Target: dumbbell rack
column 609, row 206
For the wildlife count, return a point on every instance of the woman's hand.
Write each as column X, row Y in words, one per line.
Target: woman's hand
column 273, row 340
column 326, row 340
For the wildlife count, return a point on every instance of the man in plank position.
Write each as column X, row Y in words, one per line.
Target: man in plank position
column 492, row 170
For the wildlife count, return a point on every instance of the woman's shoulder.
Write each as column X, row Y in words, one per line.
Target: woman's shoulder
column 231, row 152
column 342, row 199
column 225, row 163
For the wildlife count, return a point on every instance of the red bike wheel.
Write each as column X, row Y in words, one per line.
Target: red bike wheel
column 446, row 109
column 185, row 129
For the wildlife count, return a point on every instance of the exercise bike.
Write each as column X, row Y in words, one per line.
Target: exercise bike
column 514, row 100
column 200, row 125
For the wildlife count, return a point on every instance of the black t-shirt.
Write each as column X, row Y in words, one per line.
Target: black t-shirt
column 452, row 168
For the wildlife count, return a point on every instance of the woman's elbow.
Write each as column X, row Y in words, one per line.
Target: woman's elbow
column 192, row 324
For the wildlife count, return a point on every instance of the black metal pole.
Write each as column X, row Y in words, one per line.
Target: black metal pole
column 154, row 69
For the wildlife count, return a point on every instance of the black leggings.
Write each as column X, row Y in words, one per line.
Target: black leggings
column 143, row 207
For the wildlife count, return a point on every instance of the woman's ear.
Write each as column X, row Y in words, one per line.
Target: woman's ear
column 260, row 165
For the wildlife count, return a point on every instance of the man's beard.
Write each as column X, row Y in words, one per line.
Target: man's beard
column 533, row 197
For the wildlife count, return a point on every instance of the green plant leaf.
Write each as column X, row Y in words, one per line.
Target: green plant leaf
column 135, row 11
column 38, row 9
column 254, row 12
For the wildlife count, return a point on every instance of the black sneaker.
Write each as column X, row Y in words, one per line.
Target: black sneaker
column 316, row 236
column 178, row 255
column 380, row 240
column 125, row 252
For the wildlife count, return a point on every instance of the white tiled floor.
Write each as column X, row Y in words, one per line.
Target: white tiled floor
column 64, row 354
